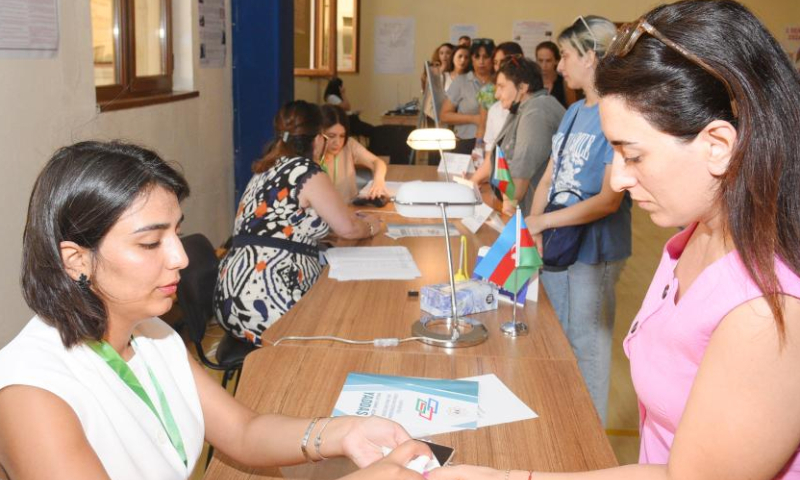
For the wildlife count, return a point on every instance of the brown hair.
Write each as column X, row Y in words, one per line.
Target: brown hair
column 759, row 190
column 297, row 124
column 334, row 114
column 435, row 56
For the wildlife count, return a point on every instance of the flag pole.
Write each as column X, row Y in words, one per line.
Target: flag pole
column 512, row 328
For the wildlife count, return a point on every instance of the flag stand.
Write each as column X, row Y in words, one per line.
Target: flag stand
column 514, row 328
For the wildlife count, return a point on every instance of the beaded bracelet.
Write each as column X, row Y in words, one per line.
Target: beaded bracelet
column 304, row 442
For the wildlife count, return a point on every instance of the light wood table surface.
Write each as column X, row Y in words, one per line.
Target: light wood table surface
column 304, row 379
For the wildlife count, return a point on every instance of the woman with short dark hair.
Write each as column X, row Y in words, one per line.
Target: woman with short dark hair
column 96, row 386
column 702, row 105
column 286, row 209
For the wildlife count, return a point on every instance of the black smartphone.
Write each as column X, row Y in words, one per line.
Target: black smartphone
column 442, row 453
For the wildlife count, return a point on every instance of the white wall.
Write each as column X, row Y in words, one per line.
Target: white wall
column 49, row 103
column 374, row 93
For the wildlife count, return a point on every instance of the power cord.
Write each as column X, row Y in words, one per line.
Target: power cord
column 378, row 342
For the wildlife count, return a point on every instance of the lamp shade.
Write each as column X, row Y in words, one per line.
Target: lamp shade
column 425, row 199
column 432, row 139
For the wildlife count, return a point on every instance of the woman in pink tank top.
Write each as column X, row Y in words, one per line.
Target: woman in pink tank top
column 702, row 107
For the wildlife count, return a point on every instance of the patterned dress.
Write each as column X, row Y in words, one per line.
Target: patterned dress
column 257, row 284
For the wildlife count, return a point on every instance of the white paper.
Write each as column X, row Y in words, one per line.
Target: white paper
column 461, row 29
column 478, row 218
column 371, row 263
column 402, row 230
column 529, row 33
column 497, row 403
column 391, row 187
column 394, row 45
column 28, row 28
column 211, row 20
column 457, row 164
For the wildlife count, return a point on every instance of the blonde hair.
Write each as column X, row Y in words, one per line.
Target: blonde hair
column 589, row 33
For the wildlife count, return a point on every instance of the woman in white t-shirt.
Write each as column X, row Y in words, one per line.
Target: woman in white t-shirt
column 343, row 154
column 95, row 386
column 335, row 94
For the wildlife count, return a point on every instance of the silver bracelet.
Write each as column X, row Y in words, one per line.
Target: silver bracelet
column 304, row 442
column 318, row 439
column 371, row 229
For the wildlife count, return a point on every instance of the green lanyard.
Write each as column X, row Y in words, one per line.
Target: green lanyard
column 112, row 358
column 324, row 166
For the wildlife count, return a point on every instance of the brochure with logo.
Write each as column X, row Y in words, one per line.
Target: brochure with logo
column 423, row 406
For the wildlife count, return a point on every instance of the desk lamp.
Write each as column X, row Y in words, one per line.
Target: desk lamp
column 433, row 200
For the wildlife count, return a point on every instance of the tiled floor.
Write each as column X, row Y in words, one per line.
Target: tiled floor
column 648, row 241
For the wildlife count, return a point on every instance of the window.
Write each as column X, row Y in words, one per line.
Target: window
column 325, row 37
column 132, row 48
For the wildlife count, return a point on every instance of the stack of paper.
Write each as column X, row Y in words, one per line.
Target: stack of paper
column 401, row 230
column 371, row 263
column 425, row 406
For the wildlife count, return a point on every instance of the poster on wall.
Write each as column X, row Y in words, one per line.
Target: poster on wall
column 791, row 44
column 394, row 45
column 530, row 33
column 461, row 29
column 213, row 41
column 28, row 28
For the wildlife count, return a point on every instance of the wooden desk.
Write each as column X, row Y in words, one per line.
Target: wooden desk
column 305, row 378
column 306, row 381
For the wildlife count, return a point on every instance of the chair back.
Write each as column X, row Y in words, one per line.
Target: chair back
column 196, row 288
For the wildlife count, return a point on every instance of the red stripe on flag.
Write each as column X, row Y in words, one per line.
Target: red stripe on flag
column 504, row 268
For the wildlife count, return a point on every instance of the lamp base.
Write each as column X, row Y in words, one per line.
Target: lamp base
column 513, row 329
column 436, row 331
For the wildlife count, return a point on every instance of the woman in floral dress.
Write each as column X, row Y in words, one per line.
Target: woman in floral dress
column 284, row 212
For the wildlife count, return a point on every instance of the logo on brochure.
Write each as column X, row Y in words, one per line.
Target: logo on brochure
column 426, row 408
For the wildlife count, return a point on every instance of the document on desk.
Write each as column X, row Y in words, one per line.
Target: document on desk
column 391, row 187
column 497, row 403
column 401, row 230
column 371, row 263
column 423, row 406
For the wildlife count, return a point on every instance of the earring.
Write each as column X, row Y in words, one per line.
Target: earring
column 84, row 282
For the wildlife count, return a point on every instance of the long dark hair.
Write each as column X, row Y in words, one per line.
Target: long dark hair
column 334, row 87
column 296, row 125
column 759, row 190
column 333, row 114
column 79, row 195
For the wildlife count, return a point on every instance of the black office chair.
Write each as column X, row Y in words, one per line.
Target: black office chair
column 195, row 293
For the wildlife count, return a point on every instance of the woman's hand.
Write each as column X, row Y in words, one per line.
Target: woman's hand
column 394, row 465
column 373, row 221
column 378, row 189
column 361, row 438
column 536, row 227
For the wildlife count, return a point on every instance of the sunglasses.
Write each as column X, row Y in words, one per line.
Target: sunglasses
column 482, row 41
column 588, row 29
column 629, row 34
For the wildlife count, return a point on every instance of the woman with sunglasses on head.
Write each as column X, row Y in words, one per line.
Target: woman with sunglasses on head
column 534, row 116
column 96, row 386
column 460, row 108
column 701, row 105
column 342, row 154
column 286, row 209
column 577, row 188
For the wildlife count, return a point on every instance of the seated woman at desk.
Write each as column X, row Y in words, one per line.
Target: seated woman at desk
column 96, row 386
column 343, row 154
column 284, row 212
column 460, row 108
column 704, row 135
column 525, row 138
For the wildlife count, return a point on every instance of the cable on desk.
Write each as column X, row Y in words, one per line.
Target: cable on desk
column 378, row 342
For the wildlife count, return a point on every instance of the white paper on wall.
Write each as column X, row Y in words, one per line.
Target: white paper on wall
column 529, row 33
column 461, row 29
column 213, row 39
column 394, row 45
column 28, row 28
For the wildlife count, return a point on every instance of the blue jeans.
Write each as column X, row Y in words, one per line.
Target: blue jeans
column 584, row 301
